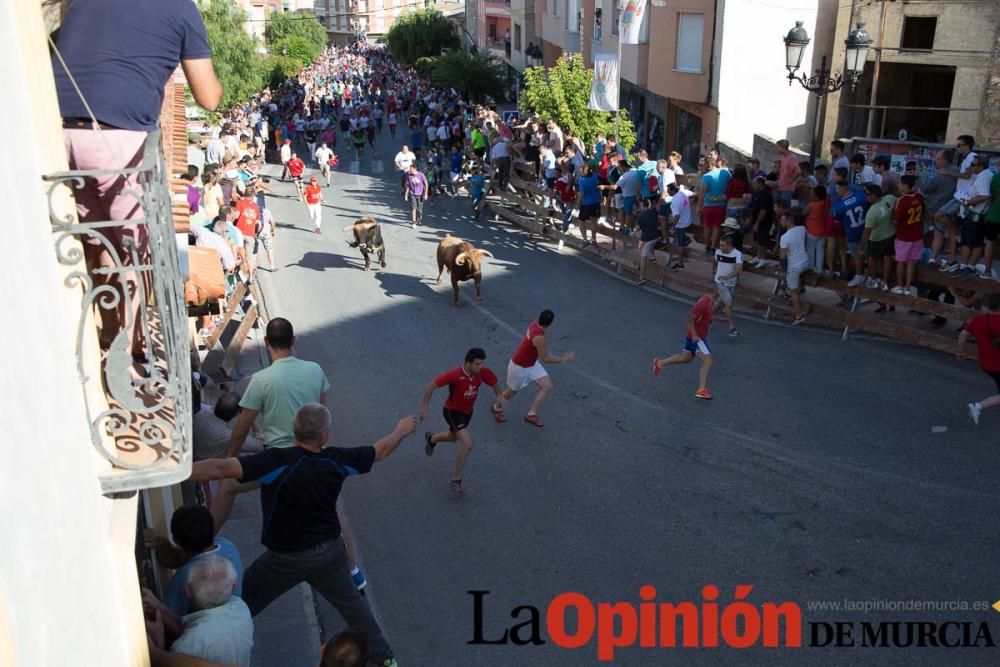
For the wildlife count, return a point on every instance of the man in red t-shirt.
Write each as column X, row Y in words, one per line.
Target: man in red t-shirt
column 695, row 345
column 248, row 222
column 463, row 388
column 526, row 367
column 314, row 203
column 986, row 328
column 295, row 168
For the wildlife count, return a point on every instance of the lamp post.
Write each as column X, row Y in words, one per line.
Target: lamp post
column 824, row 81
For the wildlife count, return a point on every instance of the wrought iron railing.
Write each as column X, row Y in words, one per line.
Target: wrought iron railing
column 144, row 427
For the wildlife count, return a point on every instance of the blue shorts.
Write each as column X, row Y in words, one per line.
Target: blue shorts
column 695, row 348
column 628, row 204
column 681, row 239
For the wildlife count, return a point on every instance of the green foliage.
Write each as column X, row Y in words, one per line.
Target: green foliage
column 234, row 52
column 422, row 33
column 296, row 48
column 286, row 26
column 278, row 69
column 425, row 65
column 562, row 92
column 476, row 75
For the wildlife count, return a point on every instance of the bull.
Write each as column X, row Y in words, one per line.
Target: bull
column 368, row 239
column 463, row 261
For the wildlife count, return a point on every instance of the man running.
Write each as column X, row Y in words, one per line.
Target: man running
column 416, row 191
column 295, row 168
column 314, row 204
column 323, row 156
column 463, row 388
column 698, row 322
column 286, row 155
column 526, row 367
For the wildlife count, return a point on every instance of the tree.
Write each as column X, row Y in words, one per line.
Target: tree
column 234, row 52
column 562, row 92
column 278, row 68
column 476, row 75
column 296, row 48
column 421, row 33
column 285, row 25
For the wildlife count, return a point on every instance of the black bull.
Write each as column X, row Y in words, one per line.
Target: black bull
column 368, row 239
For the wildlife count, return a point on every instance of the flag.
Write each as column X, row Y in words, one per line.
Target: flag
column 633, row 11
column 604, row 89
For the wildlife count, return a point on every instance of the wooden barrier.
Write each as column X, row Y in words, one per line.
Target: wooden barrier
column 512, row 206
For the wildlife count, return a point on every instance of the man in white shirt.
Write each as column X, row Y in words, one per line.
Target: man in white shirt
column 215, row 150
column 323, row 155
column 404, row 158
column 949, row 213
column 286, row 155
column 728, row 264
column 793, row 251
column 862, row 173
column 221, row 628
column 680, row 213
column 500, row 158
column 972, row 215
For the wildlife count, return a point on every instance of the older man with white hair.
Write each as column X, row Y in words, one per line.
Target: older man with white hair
column 220, row 628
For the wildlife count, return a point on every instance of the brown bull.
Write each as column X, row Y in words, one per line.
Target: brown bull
column 367, row 238
column 464, row 262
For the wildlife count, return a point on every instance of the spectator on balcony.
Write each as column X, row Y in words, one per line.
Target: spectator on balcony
column 219, row 627
column 110, row 69
column 301, row 485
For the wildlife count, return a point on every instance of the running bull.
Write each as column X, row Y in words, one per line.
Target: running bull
column 368, row 239
column 464, row 262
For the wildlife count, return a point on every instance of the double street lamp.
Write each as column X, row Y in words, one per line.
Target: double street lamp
column 823, row 81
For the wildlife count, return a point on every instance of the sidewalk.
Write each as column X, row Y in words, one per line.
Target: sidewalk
column 287, row 633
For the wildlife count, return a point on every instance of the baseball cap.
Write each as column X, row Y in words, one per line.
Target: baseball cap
column 731, row 223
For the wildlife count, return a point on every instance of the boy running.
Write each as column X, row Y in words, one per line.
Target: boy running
column 728, row 264
column 695, row 345
column 463, row 388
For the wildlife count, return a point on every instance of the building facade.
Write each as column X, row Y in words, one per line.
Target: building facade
column 257, row 13
column 933, row 73
column 346, row 19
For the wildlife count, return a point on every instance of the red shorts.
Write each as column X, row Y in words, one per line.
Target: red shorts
column 833, row 228
column 713, row 216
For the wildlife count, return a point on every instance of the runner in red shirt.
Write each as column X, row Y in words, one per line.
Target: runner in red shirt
column 986, row 328
column 314, row 203
column 295, row 168
column 463, row 389
column 695, row 345
column 249, row 225
column 526, row 367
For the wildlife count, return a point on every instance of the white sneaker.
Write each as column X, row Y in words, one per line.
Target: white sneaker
column 899, row 290
column 856, row 281
column 974, row 411
column 911, row 291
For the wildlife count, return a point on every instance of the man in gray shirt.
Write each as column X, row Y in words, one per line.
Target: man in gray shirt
column 938, row 188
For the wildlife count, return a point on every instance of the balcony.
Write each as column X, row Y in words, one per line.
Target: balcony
column 142, row 425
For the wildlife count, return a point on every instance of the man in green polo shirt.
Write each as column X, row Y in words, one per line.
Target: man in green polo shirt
column 878, row 241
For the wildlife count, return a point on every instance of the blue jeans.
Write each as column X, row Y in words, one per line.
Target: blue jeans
column 816, row 249
column 324, row 567
column 567, row 210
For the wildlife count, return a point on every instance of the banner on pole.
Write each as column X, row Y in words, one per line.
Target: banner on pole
column 633, row 11
column 604, row 89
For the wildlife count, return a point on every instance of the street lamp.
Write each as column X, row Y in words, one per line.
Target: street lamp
column 823, row 81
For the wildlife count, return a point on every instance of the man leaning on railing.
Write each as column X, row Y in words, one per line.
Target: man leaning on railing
column 110, row 68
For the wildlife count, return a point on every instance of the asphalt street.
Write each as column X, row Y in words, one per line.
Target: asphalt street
column 814, row 475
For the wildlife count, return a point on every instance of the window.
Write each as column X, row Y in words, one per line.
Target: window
column 918, row 32
column 690, row 31
column 597, row 24
column 555, row 7
column 617, row 11
column 517, row 37
column 572, row 15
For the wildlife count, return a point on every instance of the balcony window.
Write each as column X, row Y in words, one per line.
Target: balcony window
column 597, row 23
column 918, row 33
column 617, row 11
column 690, row 32
column 517, row 37
column 573, row 15
column 555, row 7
